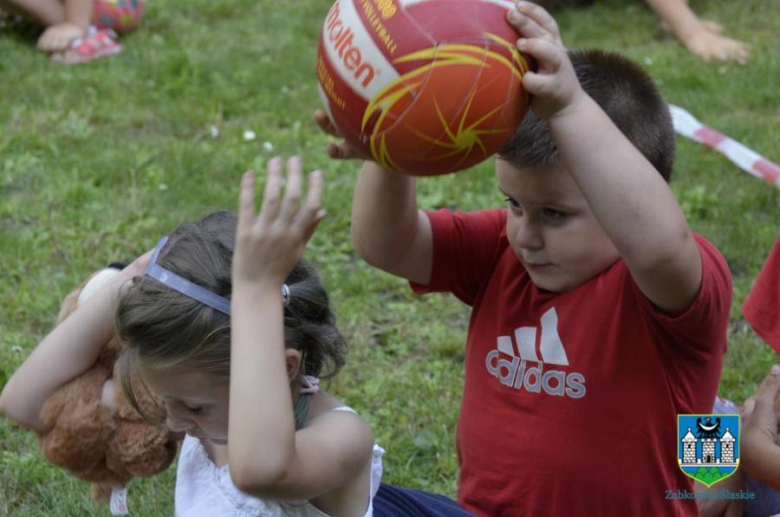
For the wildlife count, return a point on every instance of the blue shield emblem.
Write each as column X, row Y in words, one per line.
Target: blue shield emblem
column 708, row 446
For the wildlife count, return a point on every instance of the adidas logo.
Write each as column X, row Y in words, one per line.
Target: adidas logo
column 512, row 369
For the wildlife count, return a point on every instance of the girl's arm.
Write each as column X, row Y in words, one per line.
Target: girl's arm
column 267, row 457
column 67, row 352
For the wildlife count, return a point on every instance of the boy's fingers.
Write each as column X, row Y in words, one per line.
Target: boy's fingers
column 324, row 122
column 292, row 194
column 273, row 184
column 542, row 18
column 339, row 151
column 528, row 28
column 246, row 199
column 537, row 84
column 548, row 54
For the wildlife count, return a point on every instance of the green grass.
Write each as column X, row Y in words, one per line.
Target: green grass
column 98, row 161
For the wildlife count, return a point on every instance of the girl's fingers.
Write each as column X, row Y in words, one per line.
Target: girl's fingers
column 272, row 194
column 542, row 19
column 292, row 194
column 311, row 212
column 246, row 200
column 309, row 231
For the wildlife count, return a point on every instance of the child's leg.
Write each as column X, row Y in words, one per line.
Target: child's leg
column 47, row 12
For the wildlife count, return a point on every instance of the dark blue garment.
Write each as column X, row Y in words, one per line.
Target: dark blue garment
column 393, row 501
column 767, row 501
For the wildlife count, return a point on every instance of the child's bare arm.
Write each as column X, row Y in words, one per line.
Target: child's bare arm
column 629, row 198
column 760, row 452
column 65, row 353
column 388, row 230
column 699, row 36
column 267, row 457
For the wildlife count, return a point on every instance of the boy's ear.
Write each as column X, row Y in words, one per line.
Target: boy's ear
column 293, row 360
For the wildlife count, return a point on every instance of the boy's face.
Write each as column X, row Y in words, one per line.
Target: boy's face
column 551, row 227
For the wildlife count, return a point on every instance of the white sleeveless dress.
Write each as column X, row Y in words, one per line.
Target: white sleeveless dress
column 205, row 490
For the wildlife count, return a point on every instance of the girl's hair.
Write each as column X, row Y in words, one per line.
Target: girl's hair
column 162, row 328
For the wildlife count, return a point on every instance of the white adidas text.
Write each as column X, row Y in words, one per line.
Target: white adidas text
column 514, row 371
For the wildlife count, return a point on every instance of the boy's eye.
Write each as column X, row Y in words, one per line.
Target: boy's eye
column 512, row 203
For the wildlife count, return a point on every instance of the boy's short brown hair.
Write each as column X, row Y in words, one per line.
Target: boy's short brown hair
column 628, row 96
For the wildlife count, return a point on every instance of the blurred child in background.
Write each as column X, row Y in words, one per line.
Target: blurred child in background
column 702, row 37
column 77, row 31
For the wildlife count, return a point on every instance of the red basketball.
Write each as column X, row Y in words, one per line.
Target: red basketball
column 425, row 86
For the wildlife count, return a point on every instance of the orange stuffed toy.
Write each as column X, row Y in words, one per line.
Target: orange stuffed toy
column 92, row 430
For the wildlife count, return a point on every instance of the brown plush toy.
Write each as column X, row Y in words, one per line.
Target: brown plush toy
column 92, row 430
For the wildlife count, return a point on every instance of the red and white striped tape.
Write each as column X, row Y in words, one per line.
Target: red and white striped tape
column 746, row 159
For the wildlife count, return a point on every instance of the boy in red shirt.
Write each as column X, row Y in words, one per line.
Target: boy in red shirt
column 598, row 316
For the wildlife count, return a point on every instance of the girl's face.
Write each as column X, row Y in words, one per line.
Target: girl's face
column 197, row 403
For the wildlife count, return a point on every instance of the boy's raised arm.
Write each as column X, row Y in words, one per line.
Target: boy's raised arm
column 629, row 198
column 388, row 230
column 633, row 204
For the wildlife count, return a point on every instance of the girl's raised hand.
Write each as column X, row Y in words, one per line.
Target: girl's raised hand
column 270, row 244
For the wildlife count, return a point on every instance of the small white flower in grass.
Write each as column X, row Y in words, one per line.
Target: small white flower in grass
column 268, row 146
column 162, row 187
column 285, row 89
column 16, row 349
column 648, row 60
column 214, row 131
column 249, row 135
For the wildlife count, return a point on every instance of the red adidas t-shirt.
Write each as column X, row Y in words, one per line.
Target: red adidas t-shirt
column 762, row 306
column 570, row 400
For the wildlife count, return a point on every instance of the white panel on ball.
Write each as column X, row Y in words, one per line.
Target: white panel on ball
column 504, row 3
column 353, row 53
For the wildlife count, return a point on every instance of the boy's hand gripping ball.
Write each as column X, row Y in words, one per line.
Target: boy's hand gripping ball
column 426, row 87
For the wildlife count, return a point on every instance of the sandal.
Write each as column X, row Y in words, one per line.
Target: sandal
column 95, row 44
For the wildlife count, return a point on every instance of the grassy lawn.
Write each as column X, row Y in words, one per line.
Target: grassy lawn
column 98, row 161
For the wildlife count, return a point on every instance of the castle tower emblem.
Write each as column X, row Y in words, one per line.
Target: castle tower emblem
column 708, row 446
